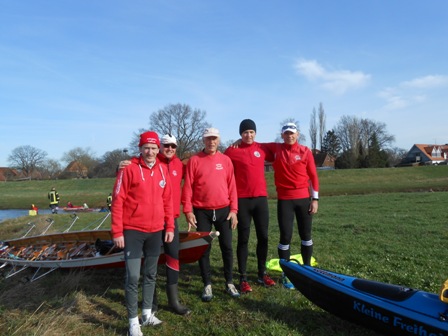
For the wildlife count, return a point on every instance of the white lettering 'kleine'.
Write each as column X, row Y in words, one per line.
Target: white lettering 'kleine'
column 397, row 322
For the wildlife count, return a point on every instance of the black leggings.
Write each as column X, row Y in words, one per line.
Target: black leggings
column 286, row 211
column 205, row 219
column 172, row 256
column 256, row 208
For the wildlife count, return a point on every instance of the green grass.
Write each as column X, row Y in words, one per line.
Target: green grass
column 366, row 228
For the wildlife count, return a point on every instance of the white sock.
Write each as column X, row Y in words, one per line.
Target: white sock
column 133, row 320
column 146, row 312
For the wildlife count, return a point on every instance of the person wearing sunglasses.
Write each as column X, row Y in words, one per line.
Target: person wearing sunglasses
column 167, row 156
column 297, row 186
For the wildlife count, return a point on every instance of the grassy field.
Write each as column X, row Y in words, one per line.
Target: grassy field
column 381, row 224
column 20, row 195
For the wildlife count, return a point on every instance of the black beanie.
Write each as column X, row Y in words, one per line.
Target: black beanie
column 247, row 124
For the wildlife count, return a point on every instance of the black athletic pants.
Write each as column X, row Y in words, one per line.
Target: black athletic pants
column 218, row 217
column 286, row 211
column 256, row 208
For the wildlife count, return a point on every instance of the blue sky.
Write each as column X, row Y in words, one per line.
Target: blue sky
column 89, row 73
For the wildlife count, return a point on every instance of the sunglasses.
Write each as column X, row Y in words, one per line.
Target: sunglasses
column 292, row 127
column 170, row 146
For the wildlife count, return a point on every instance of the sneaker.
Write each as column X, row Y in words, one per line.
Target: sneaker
column 207, row 294
column 266, row 281
column 232, row 291
column 134, row 330
column 150, row 320
column 245, row 287
column 286, row 283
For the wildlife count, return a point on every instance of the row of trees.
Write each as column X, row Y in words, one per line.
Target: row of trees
column 354, row 143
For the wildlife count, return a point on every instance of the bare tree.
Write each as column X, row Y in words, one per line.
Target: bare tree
column 357, row 136
column 82, row 159
column 27, row 159
column 322, row 127
column 182, row 121
column 109, row 162
column 313, row 130
column 51, row 169
column 348, row 131
column 301, row 139
column 396, row 155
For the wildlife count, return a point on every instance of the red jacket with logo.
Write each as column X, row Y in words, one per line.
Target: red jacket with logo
column 142, row 199
column 295, row 171
column 209, row 183
column 248, row 162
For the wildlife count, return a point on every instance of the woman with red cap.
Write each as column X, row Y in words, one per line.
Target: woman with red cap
column 142, row 209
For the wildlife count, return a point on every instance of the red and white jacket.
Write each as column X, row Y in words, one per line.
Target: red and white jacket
column 142, row 199
column 209, row 183
column 176, row 171
column 295, row 171
column 248, row 162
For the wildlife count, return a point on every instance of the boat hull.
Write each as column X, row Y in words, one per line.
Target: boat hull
column 389, row 309
column 192, row 246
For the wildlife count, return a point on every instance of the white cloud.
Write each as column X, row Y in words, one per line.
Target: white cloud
column 426, row 82
column 394, row 101
column 338, row 82
column 411, row 92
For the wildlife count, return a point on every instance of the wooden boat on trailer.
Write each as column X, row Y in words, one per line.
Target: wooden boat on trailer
column 85, row 249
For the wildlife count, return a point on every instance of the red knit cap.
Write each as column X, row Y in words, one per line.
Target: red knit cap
column 149, row 137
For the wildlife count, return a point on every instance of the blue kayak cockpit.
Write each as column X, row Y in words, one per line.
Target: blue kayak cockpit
column 384, row 290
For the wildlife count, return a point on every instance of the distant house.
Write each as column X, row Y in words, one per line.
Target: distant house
column 323, row 160
column 421, row 154
column 75, row 169
column 8, row 174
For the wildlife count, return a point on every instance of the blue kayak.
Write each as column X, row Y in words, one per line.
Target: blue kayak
column 386, row 308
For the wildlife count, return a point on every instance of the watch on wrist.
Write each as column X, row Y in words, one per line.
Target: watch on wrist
column 314, row 199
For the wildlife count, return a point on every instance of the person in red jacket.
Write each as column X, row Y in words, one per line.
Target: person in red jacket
column 248, row 161
column 297, row 185
column 142, row 208
column 209, row 197
column 167, row 156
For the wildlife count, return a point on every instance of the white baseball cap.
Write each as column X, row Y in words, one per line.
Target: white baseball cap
column 291, row 127
column 168, row 139
column 210, row 132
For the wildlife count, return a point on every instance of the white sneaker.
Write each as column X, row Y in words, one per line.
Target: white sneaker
column 134, row 330
column 207, row 294
column 233, row 292
column 150, row 320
